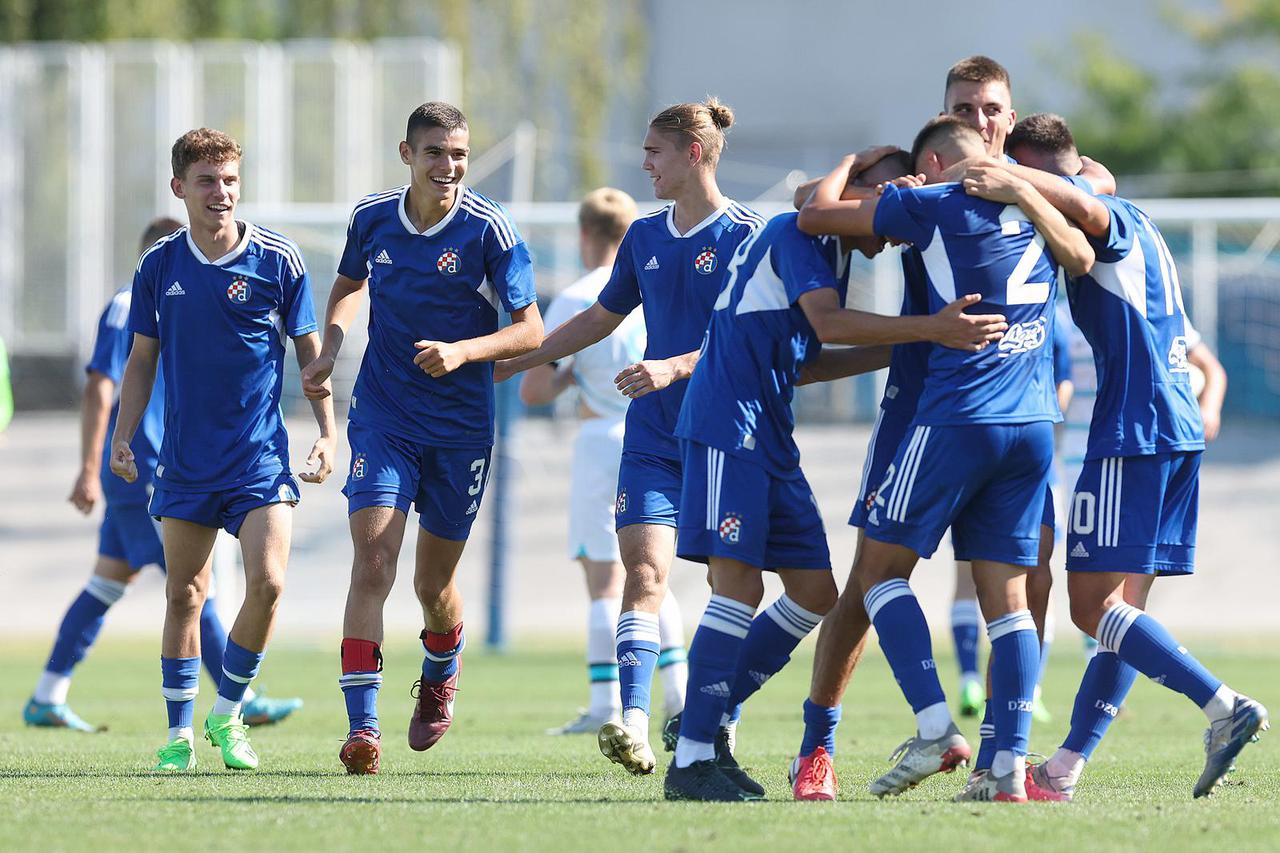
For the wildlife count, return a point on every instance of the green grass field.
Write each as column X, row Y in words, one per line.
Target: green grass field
column 497, row 782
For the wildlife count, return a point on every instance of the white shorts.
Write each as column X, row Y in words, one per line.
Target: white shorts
column 596, row 454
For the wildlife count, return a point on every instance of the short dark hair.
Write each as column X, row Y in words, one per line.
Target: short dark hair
column 937, row 128
column 1043, row 132
column 978, row 69
column 435, row 114
column 162, row 226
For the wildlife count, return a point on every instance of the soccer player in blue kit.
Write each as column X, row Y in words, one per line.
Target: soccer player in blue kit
column 441, row 262
column 746, row 506
column 1133, row 512
column 214, row 304
column 989, row 415
column 673, row 263
column 128, row 539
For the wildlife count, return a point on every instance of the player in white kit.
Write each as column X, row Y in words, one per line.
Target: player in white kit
column 603, row 219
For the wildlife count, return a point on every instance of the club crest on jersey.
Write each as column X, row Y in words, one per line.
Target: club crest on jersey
column 730, row 528
column 706, row 262
column 1023, row 337
column 449, row 261
column 239, row 291
column 620, row 506
column 358, row 467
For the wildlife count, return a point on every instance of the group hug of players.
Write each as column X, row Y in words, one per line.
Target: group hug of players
column 737, row 312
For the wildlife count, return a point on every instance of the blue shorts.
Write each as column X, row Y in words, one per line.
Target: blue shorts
column 1136, row 514
column 987, row 482
column 129, row 533
column 225, row 509
column 887, row 434
column 648, row 490
column 737, row 509
column 1049, row 517
column 446, row 484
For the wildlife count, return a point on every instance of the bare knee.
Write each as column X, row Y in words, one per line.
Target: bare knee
column 185, row 598
column 265, row 591
column 431, row 586
column 817, row 596
column 374, row 569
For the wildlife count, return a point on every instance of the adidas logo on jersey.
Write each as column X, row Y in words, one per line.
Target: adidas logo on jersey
column 1080, row 551
column 653, row 263
column 473, row 509
column 175, row 289
column 720, row 690
column 382, row 258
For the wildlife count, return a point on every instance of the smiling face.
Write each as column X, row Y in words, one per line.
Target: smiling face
column 210, row 192
column 670, row 162
column 437, row 160
column 981, row 105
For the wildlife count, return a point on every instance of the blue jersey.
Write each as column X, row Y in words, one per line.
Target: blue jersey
column 222, row 326
column 447, row 283
column 1061, row 352
column 1129, row 307
column 677, row 278
column 739, row 399
column 111, row 348
column 970, row 245
column 908, row 363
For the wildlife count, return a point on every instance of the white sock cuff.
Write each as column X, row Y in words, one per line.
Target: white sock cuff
column 638, row 625
column 792, row 618
column 727, row 616
column 882, row 593
column 1115, row 624
column 179, row 694
column 106, row 591
column 965, row 613
column 354, row 679
column 670, row 622
column 606, row 608
column 1018, row 620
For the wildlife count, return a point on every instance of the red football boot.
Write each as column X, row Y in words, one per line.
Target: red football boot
column 362, row 753
column 813, row 776
column 434, row 712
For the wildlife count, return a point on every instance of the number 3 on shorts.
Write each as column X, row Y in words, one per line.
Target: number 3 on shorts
column 478, row 468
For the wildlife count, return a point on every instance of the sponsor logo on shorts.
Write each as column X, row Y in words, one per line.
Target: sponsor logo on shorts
column 449, row 261
column 1023, row 337
column 358, row 467
column 1080, row 552
column 730, row 528
column 706, row 262
column 620, row 505
column 239, row 291
column 473, row 509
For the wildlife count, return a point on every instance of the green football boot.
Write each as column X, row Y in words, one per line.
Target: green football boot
column 972, row 697
column 176, row 756
column 230, row 735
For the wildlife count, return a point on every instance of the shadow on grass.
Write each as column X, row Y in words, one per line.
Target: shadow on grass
column 315, row 799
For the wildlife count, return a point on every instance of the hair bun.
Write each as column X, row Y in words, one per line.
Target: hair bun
column 721, row 115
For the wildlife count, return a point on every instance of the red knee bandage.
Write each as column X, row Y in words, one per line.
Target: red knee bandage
column 360, row 656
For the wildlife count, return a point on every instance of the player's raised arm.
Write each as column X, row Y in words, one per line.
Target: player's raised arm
column 344, row 305
column 1068, row 244
column 836, row 208
column 949, row 327
column 135, row 393
column 1098, row 175
column 1072, row 202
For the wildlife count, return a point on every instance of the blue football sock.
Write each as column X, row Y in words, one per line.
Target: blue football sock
column 819, row 728
column 180, row 682
column 638, row 647
column 361, row 678
column 239, row 667
column 965, row 621
column 1148, row 647
column 904, row 638
column 213, row 640
column 1106, row 683
column 986, row 739
column 713, row 662
column 441, row 650
column 81, row 624
column 773, row 636
column 1015, row 660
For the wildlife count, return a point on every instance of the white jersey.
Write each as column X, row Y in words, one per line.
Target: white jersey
column 595, row 367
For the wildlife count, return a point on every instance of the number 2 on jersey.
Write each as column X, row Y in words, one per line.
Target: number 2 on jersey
column 1019, row 291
